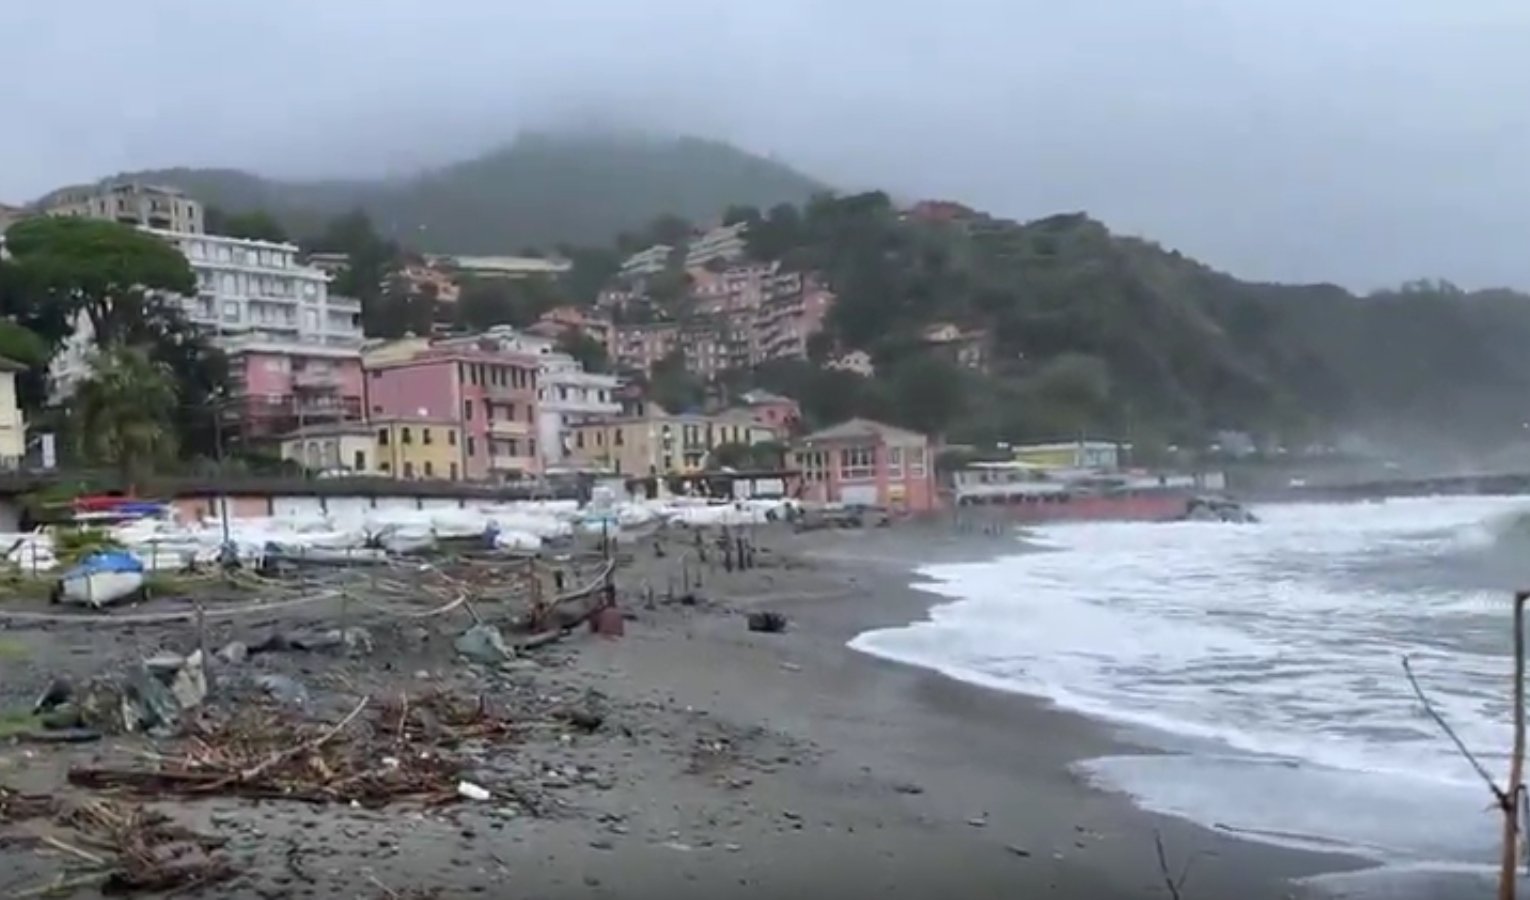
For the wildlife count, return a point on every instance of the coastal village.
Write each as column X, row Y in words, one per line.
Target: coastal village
column 495, row 602
column 508, row 406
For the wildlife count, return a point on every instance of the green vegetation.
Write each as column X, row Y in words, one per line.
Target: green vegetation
column 125, row 414
column 541, row 191
column 1090, row 332
column 768, row 456
column 255, row 225
column 17, row 722
column 70, row 545
column 110, row 272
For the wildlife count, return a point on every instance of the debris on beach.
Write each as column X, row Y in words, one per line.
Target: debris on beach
column 483, row 644
column 406, row 749
column 18, row 807
column 767, row 622
column 121, row 848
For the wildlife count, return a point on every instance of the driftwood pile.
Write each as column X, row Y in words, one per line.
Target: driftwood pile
column 118, row 848
column 18, row 807
column 402, row 751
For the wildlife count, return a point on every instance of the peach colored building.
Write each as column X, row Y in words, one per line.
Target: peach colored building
column 781, row 413
column 867, row 463
column 563, row 319
column 640, row 346
column 488, row 392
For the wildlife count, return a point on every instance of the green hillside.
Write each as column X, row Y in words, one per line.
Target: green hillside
column 540, row 191
column 1090, row 331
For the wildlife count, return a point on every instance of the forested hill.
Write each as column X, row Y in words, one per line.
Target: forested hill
column 1092, row 331
column 540, row 191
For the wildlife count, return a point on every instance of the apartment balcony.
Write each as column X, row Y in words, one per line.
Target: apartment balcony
column 511, row 428
column 316, row 380
column 272, row 414
column 344, row 304
column 519, row 394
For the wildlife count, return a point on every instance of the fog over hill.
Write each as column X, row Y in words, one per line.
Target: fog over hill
column 1295, row 141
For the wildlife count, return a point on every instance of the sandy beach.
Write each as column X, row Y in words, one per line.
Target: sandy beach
column 734, row 763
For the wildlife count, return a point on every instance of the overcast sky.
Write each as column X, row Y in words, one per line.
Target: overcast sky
column 1357, row 141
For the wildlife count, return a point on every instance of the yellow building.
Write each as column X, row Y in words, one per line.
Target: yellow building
column 1105, row 455
column 661, row 443
column 13, row 429
column 418, row 448
column 348, row 447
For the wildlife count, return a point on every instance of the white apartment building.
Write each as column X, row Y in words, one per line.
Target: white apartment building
column 567, row 396
column 131, row 203
column 258, row 288
column 648, row 262
column 725, row 242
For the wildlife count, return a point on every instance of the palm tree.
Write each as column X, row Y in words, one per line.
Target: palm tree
column 124, row 413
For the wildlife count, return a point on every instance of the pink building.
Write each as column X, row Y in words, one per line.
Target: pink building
column 640, row 346
column 867, row 463
column 784, row 323
column 489, row 391
column 282, row 386
column 781, row 413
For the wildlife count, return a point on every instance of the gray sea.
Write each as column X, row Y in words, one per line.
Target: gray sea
column 1267, row 659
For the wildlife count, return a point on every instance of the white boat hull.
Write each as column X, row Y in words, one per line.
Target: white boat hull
column 98, row 589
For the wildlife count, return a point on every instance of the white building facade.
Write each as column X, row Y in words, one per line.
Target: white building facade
column 567, row 395
column 294, row 349
column 725, row 242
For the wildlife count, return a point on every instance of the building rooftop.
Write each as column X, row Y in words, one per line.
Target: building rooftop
column 752, row 398
column 860, row 428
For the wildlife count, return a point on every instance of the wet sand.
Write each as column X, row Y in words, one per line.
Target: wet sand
column 741, row 764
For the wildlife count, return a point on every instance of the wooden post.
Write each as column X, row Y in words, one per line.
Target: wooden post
column 1512, row 796
column 201, row 629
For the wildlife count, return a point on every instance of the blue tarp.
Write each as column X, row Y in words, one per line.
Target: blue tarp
column 106, row 561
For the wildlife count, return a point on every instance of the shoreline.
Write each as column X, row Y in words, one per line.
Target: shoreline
column 995, row 769
column 729, row 764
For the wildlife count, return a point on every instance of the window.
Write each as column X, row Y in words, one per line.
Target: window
column 616, row 436
column 462, row 373
column 430, row 470
column 467, row 410
column 451, row 437
column 384, row 468
column 856, row 463
column 916, row 461
column 531, row 446
column 472, row 446
column 425, row 436
column 895, row 462
column 488, row 411
column 230, row 311
column 377, row 410
column 600, row 438
column 454, row 471
column 408, row 470
column 513, row 447
column 510, row 412
column 579, row 439
column 407, row 436
column 359, row 463
column 382, row 437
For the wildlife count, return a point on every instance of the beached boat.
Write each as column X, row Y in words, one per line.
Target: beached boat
column 103, row 578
